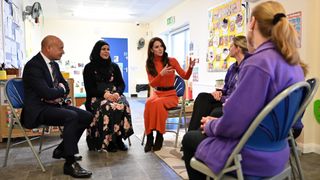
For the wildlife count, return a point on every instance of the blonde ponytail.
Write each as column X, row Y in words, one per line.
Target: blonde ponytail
column 274, row 25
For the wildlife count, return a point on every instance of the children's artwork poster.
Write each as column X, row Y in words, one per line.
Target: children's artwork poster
column 195, row 74
column 225, row 22
column 295, row 20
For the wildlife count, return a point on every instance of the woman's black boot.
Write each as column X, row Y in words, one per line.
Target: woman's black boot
column 159, row 141
column 149, row 143
column 120, row 145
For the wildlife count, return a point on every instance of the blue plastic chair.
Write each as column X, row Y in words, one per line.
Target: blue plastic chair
column 173, row 125
column 268, row 131
column 14, row 93
column 294, row 158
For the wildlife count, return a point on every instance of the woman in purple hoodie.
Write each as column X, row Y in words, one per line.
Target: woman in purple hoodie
column 273, row 66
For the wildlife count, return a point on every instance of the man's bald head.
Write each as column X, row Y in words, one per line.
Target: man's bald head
column 49, row 41
column 52, row 47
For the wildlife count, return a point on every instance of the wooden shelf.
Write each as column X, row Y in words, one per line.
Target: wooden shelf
column 4, row 127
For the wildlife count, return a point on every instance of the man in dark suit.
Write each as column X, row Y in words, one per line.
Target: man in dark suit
column 45, row 88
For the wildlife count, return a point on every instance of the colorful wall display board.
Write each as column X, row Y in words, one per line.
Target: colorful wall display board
column 1, row 33
column 225, row 22
column 12, row 35
column 296, row 20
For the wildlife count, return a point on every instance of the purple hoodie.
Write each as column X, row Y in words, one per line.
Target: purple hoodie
column 261, row 78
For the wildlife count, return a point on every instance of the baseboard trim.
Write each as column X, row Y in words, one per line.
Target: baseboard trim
column 311, row 147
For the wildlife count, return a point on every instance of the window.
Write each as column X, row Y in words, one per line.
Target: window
column 179, row 40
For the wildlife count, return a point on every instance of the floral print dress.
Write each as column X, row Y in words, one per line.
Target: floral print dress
column 111, row 119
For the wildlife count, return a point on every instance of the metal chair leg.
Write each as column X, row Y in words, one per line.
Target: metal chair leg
column 185, row 122
column 129, row 141
column 238, row 158
column 142, row 141
column 296, row 156
column 178, row 130
column 31, row 147
column 61, row 132
column 293, row 166
column 8, row 144
column 41, row 140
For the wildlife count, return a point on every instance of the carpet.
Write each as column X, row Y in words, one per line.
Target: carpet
column 171, row 155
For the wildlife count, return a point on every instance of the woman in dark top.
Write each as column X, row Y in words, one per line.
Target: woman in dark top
column 210, row 104
column 104, row 87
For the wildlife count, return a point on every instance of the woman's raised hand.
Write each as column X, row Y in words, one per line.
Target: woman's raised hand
column 192, row 62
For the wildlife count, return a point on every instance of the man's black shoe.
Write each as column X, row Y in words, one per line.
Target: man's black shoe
column 58, row 154
column 76, row 171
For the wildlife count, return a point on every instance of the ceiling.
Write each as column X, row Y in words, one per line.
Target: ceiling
column 138, row 11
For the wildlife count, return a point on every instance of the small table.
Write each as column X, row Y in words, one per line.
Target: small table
column 189, row 108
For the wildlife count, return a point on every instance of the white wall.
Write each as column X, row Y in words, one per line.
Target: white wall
column 80, row 36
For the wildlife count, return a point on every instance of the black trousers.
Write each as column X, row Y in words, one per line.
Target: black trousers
column 190, row 142
column 204, row 105
column 74, row 120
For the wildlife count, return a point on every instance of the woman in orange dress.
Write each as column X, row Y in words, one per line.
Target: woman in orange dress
column 161, row 75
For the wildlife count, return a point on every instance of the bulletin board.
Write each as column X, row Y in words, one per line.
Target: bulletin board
column 225, row 22
column 1, row 32
column 12, row 35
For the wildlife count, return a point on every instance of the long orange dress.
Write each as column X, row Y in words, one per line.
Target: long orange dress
column 155, row 112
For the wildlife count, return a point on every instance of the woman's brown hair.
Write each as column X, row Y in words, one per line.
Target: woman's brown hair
column 150, row 60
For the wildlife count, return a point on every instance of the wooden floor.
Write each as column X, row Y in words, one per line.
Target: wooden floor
column 134, row 164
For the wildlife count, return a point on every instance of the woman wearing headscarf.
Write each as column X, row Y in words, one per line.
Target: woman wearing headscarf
column 104, row 87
